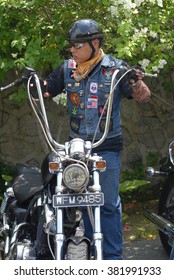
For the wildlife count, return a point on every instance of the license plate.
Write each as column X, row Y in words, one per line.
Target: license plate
column 83, row 199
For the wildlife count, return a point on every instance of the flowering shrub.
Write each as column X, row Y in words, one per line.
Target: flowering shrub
column 136, row 31
column 144, row 32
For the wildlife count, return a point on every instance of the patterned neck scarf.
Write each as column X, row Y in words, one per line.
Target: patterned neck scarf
column 84, row 68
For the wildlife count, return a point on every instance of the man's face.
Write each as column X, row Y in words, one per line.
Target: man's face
column 82, row 53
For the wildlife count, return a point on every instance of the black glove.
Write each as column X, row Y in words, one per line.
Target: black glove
column 122, row 70
column 136, row 74
column 124, row 83
column 129, row 79
column 28, row 72
column 33, row 88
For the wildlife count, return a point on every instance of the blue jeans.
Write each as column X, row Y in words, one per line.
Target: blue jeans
column 111, row 211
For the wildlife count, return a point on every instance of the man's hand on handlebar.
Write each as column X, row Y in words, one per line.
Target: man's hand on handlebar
column 133, row 74
column 136, row 74
column 33, row 88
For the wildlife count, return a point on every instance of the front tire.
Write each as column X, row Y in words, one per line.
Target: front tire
column 166, row 210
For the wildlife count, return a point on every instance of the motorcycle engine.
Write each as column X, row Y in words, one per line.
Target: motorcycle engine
column 24, row 251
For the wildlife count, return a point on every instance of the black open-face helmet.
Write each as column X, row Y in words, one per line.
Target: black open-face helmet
column 84, row 30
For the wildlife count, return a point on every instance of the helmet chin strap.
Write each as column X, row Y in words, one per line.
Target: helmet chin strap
column 93, row 50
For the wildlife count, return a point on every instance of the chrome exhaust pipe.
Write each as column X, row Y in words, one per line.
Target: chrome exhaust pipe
column 163, row 224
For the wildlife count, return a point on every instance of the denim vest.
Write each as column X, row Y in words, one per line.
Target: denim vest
column 87, row 97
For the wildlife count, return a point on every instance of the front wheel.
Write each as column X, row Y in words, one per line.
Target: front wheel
column 166, row 210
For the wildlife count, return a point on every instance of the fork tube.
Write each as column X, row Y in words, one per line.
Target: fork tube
column 98, row 237
column 59, row 237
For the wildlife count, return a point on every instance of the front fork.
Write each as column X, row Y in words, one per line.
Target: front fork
column 59, row 236
column 97, row 236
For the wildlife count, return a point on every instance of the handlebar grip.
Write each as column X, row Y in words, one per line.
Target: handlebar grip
column 16, row 82
column 149, row 75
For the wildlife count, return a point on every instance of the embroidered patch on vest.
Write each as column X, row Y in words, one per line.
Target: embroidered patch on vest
column 81, row 92
column 75, row 99
column 92, row 102
column 71, row 64
column 82, row 106
column 75, row 111
column 93, row 87
column 103, row 124
column 71, row 74
column 75, row 124
column 108, row 73
column 102, row 111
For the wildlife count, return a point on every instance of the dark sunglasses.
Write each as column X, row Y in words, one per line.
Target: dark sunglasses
column 77, row 45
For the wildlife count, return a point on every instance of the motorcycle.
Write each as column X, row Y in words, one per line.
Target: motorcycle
column 42, row 210
column 164, row 216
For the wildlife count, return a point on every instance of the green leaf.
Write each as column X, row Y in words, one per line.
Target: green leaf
column 128, row 186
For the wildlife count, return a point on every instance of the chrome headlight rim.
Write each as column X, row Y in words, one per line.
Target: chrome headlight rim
column 76, row 177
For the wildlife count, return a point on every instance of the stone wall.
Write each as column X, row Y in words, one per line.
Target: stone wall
column 147, row 128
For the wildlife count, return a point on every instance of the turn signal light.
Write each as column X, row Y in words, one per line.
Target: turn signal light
column 101, row 165
column 53, row 166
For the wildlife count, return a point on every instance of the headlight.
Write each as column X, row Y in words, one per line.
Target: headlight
column 76, row 177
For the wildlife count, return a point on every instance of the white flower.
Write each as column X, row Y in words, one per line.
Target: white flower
column 160, row 3
column 160, row 65
column 152, row 1
column 153, row 34
column 127, row 4
column 162, row 40
column 162, row 62
column 155, row 69
column 145, row 62
column 138, row 2
column 143, row 46
column 136, row 35
column 144, row 30
column 114, row 10
column 60, row 99
column 135, row 11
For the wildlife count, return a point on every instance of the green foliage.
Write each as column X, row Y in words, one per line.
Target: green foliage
column 138, row 168
column 144, row 33
column 6, row 174
column 139, row 189
column 34, row 32
column 136, row 171
column 130, row 189
column 152, row 159
column 128, row 186
column 19, row 96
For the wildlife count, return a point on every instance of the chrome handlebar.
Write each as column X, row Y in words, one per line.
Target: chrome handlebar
column 44, row 122
column 45, row 119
